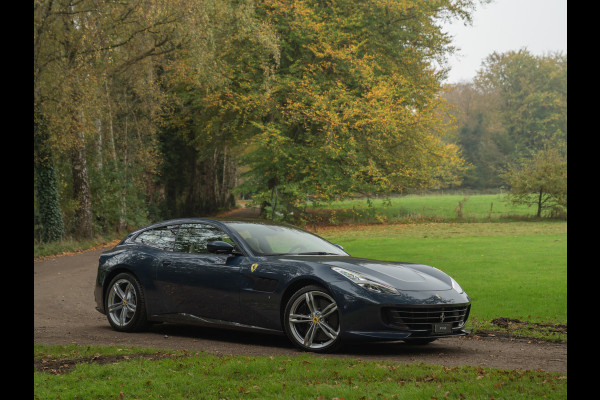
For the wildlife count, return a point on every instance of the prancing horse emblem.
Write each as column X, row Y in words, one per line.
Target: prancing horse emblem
column 442, row 317
column 253, row 267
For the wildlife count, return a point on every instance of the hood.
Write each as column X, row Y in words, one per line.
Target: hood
column 402, row 276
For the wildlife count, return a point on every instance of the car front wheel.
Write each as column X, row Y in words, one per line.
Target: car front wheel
column 312, row 320
column 125, row 305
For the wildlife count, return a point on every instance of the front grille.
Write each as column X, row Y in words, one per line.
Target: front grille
column 422, row 318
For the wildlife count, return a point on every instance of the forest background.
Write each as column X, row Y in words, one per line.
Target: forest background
column 148, row 110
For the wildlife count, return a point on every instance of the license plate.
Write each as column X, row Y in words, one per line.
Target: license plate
column 442, row 328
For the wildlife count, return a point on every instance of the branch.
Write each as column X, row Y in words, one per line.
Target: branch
column 131, row 37
column 150, row 52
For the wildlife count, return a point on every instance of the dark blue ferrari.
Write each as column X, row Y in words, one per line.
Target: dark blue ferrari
column 273, row 279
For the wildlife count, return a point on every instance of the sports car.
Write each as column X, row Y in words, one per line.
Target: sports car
column 273, row 279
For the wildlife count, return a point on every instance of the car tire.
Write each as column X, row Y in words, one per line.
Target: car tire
column 125, row 304
column 312, row 320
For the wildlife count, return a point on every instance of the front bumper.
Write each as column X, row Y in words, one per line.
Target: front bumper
column 411, row 314
column 355, row 336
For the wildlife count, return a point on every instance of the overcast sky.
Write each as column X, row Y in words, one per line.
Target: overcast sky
column 503, row 25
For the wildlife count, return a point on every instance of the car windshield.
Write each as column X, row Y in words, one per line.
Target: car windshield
column 277, row 240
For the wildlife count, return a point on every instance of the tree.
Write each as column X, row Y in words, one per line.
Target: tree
column 93, row 70
column 355, row 101
column 541, row 181
column 150, row 104
column 516, row 106
column 533, row 97
column 481, row 139
column 217, row 85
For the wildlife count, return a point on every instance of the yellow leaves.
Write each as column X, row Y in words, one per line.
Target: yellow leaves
column 356, row 107
column 332, row 51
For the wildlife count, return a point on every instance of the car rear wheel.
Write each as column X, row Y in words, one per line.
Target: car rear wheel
column 312, row 320
column 125, row 304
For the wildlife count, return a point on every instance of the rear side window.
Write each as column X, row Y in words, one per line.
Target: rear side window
column 162, row 238
column 193, row 238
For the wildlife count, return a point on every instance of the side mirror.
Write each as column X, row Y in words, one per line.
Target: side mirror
column 338, row 246
column 219, row 247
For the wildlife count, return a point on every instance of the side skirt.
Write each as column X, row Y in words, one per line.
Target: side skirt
column 209, row 322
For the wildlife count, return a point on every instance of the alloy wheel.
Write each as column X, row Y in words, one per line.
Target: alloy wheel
column 313, row 320
column 122, row 302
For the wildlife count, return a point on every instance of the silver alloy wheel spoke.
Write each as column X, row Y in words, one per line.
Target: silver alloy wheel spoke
column 327, row 330
column 123, row 316
column 128, row 293
column 299, row 318
column 115, row 307
column 118, row 291
column 310, row 302
column 310, row 335
column 329, row 310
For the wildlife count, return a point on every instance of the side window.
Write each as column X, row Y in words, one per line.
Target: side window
column 161, row 238
column 192, row 238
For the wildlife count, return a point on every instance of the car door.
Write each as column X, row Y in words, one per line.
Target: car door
column 197, row 282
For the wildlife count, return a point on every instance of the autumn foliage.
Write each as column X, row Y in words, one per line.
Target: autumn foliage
column 156, row 109
column 354, row 106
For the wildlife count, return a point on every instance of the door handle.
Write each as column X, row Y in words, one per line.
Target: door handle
column 166, row 263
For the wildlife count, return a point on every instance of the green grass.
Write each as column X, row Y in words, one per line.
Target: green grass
column 70, row 245
column 478, row 207
column 515, row 270
column 182, row 375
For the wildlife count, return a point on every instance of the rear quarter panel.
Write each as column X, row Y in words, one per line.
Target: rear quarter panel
column 141, row 262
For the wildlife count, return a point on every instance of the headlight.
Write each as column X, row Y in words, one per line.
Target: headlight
column 367, row 283
column 456, row 286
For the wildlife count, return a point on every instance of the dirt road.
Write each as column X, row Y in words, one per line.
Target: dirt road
column 64, row 313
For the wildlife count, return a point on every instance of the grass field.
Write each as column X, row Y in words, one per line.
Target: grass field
column 182, row 375
column 435, row 207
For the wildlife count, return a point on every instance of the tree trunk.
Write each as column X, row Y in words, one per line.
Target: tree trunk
column 81, row 191
column 99, row 164
column 111, row 133
column 123, row 211
column 539, row 210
